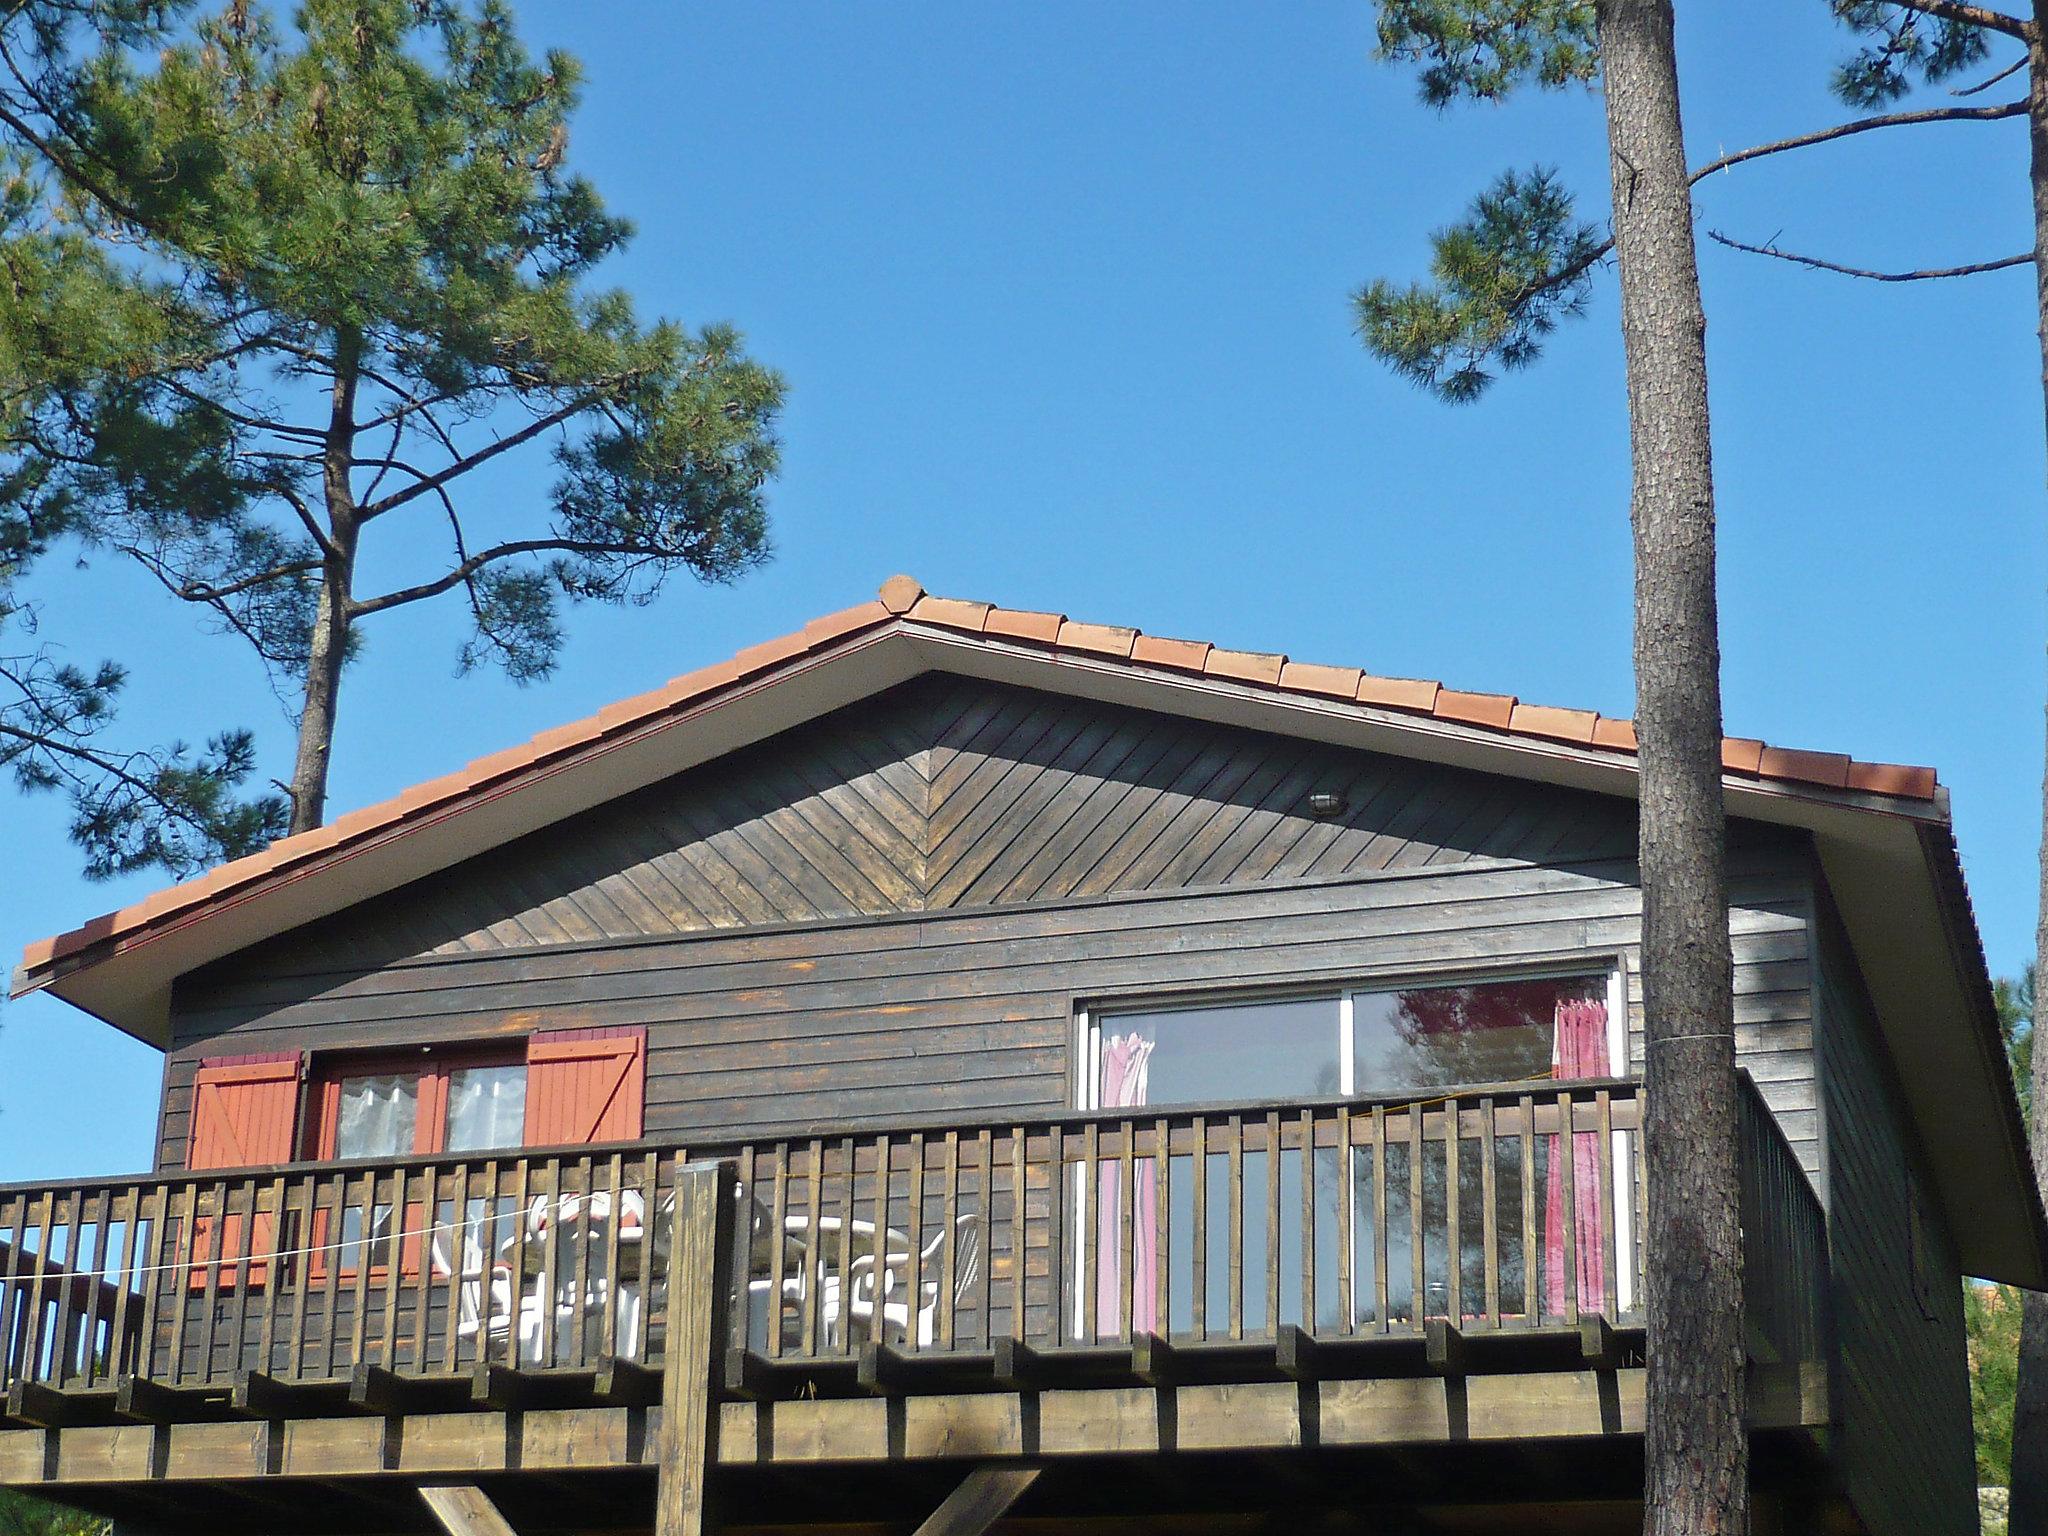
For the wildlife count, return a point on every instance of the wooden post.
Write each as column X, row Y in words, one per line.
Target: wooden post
column 700, row 1266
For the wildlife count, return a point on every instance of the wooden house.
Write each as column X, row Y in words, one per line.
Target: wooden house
column 955, row 1065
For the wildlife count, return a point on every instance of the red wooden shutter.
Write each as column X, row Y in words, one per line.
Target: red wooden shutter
column 585, row 1085
column 245, row 1113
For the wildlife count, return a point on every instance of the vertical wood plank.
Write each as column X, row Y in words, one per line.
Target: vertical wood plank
column 1198, row 1230
column 701, row 1251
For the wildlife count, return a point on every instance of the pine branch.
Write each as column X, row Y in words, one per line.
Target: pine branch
column 1925, row 274
column 476, row 562
column 1970, row 16
column 1864, row 125
column 1566, row 275
column 482, row 455
column 2004, row 74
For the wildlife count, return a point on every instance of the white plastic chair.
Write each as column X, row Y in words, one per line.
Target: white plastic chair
column 472, row 1320
column 895, row 1275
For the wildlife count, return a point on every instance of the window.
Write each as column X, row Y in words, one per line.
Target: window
column 415, row 1106
column 1389, row 1043
column 1367, row 1042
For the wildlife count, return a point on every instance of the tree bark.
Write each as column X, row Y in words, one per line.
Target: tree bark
column 2028, row 1514
column 1696, row 1449
column 328, row 652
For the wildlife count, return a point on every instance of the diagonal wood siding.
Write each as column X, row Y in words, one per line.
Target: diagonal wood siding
column 950, row 793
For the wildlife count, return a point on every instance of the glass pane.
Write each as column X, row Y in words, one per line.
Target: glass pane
column 1495, row 1032
column 378, row 1116
column 486, row 1107
column 1227, row 1052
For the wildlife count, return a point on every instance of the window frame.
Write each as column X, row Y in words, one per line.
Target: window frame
column 430, row 1066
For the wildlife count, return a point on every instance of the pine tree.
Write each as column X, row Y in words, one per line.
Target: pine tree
column 64, row 314
column 1502, row 280
column 352, row 269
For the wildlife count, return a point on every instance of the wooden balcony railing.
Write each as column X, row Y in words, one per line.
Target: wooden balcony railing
column 1784, row 1259
column 1491, row 1210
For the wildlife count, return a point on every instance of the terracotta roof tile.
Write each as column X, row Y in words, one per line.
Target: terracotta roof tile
column 1023, row 624
column 899, row 592
column 1244, row 666
column 846, row 621
column 1098, row 639
column 770, row 653
column 901, row 596
column 1892, row 779
column 1829, row 768
column 1314, row 677
column 1182, row 655
column 1491, row 709
column 1574, row 725
column 1618, row 734
column 1414, row 693
column 1741, row 754
column 951, row 612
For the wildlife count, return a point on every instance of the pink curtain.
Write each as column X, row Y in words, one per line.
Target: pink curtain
column 1126, row 1075
column 1578, row 1050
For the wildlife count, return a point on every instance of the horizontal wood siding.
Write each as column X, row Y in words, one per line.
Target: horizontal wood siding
column 1903, row 1391
column 866, row 1021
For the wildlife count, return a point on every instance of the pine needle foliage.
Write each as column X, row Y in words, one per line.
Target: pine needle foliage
column 1482, row 49
column 1903, row 46
column 1520, row 260
column 1500, row 280
column 283, row 283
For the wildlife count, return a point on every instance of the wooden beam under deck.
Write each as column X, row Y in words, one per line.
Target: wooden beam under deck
column 1136, row 1421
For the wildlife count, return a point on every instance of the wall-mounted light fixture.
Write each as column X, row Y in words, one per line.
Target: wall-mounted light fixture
column 1326, row 803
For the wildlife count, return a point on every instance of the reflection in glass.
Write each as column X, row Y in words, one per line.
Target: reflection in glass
column 1495, row 1032
column 486, row 1108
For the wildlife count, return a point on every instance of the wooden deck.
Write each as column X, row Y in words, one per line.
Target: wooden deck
column 1275, row 1285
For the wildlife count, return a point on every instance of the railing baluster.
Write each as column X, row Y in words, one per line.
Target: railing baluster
column 949, row 1272
column 1454, row 1230
column 850, row 1156
column 1532, row 1291
column 332, row 1229
column 521, row 1241
column 1308, row 1221
column 1162, row 1232
column 1489, row 1210
column 878, row 1275
column 1020, row 1233
column 180, row 1288
column 1091, row 1233
column 272, row 1284
column 1604, row 1167
column 118, row 1355
column 1382, row 1223
column 814, row 1273
column 1418, row 1299
column 1059, row 1201
column 1198, row 1231
column 1126, row 1176
column 1235, row 1191
column 913, row 1301
column 1273, row 1156
column 1347, row 1225
column 985, row 1160
column 1568, row 1182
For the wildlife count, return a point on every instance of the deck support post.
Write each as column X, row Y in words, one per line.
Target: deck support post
column 700, row 1262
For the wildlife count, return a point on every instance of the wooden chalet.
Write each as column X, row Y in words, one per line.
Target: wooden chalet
column 955, row 1068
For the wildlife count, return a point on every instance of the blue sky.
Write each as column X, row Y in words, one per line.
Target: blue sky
column 1061, row 294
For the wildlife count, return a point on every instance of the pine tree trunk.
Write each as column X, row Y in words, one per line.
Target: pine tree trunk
column 2029, row 1508
column 330, row 643
column 1695, row 1445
